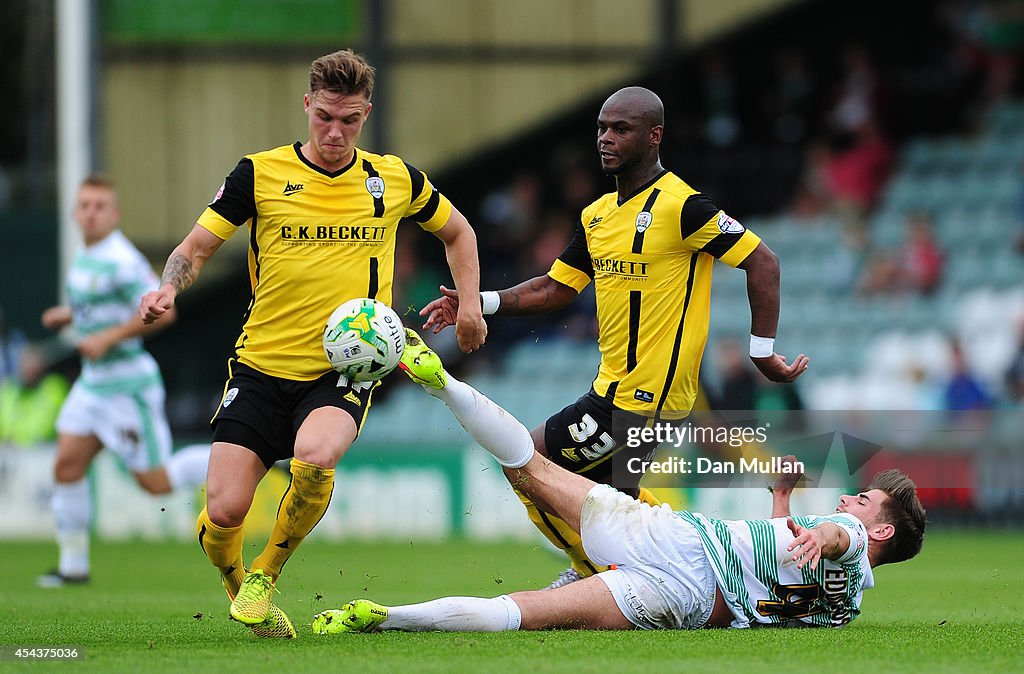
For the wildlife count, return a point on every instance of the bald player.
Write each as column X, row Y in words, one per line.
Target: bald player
column 649, row 248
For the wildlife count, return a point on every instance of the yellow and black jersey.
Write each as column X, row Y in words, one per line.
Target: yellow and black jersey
column 650, row 258
column 316, row 239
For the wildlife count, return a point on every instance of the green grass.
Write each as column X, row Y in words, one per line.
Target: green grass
column 159, row 608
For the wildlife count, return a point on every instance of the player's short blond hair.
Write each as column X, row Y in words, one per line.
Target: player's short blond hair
column 99, row 180
column 343, row 72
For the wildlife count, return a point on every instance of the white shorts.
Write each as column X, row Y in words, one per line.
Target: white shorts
column 662, row 579
column 132, row 425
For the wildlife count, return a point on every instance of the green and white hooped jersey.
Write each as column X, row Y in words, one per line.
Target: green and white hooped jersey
column 105, row 283
column 760, row 580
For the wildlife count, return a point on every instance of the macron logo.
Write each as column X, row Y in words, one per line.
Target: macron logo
column 290, row 189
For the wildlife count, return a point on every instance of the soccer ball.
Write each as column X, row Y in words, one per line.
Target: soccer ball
column 364, row 339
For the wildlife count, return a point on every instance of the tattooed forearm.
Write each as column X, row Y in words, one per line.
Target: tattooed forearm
column 538, row 295
column 178, row 272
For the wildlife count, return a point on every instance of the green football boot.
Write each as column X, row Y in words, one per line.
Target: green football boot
column 361, row 615
column 276, row 626
column 252, row 603
column 421, row 364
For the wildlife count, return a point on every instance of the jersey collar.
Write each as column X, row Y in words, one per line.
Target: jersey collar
column 330, row 174
column 642, row 188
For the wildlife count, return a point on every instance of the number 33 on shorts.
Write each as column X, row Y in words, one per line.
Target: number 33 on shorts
column 586, row 429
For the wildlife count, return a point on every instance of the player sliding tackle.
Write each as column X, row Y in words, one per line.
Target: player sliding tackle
column 674, row 570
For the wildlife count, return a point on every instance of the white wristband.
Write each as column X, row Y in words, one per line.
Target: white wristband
column 760, row 347
column 489, row 301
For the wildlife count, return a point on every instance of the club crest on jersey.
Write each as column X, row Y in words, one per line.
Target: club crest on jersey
column 375, row 186
column 860, row 542
column 728, row 225
column 643, row 221
column 230, row 396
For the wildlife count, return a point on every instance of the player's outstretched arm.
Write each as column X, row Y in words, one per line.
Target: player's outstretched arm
column 180, row 272
column 56, row 318
column 826, row 540
column 98, row 344
column 537, row 295
column 762, row 267
column 460, row 248
column 783, row 489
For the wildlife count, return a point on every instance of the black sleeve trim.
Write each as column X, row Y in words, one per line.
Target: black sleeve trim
column 695, row 213
column 417, row 180
column 576, row 254
column 428, row 211
column 237, row 200
column 721, row 244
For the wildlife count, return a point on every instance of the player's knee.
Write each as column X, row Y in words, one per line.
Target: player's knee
column 320, row 456
column 323, row 452
column 225, row 514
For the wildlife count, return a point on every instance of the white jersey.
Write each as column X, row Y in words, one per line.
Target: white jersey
column 762, row 584
column 105, row 283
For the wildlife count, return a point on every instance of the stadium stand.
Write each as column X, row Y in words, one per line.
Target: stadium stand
column 866, row 350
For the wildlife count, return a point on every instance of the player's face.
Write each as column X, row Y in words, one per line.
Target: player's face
column 335, row 123
column 865, row 506
column 623, row 139
column 96, row 212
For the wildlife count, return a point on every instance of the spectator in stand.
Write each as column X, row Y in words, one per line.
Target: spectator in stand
column 721, row 118
column 916, row 267
column 858, row 167
column 1015, row 372
column 738, row 388
column 791, row 99
column 859, row 155
column 856, row 102
column 509, row 215
column 988, row 41
column 964, row 391
column 813, row 194
column 31, row 401
column 845, row 264
column 922, row 259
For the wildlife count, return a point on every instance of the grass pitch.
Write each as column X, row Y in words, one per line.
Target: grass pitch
column 159, row 608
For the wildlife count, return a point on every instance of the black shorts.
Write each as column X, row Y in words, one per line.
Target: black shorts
column 263, row 413
column 588, row 439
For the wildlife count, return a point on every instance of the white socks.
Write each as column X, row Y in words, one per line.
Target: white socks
column 187, row 466
column 496, row 430
column 456, row 614
column 72, row 510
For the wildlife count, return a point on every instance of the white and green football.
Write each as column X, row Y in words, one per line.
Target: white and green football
column 364, row 339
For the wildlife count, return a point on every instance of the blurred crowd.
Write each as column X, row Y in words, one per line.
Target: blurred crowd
column 33, row 387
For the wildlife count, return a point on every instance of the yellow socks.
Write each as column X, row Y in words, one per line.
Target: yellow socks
column 564, row 538
column 647, row 497
column 223, row 546
column 302, row 506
